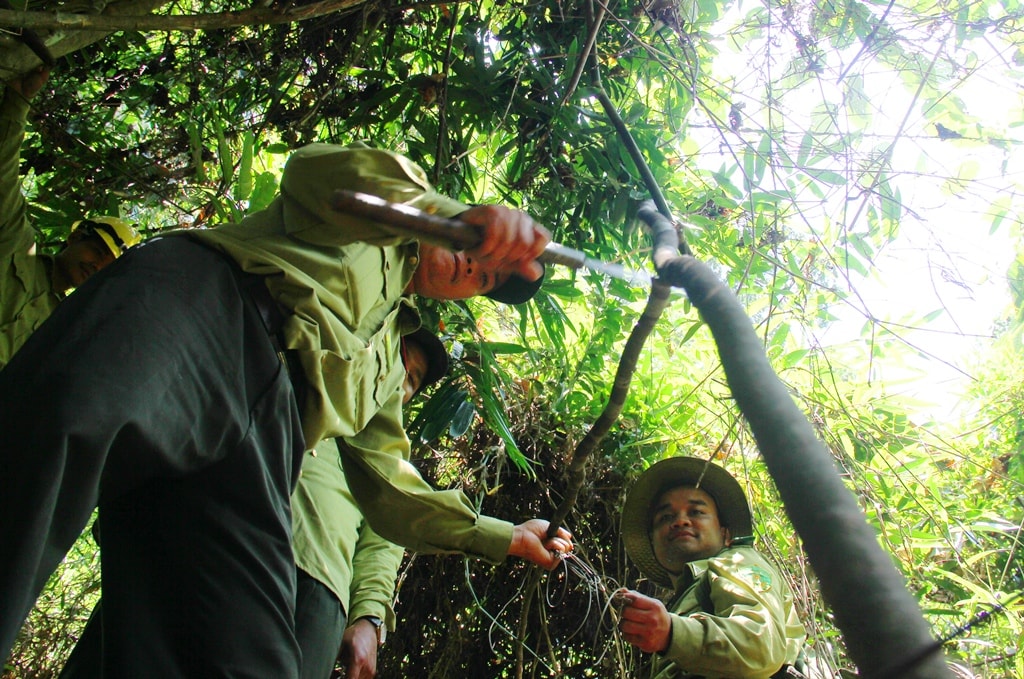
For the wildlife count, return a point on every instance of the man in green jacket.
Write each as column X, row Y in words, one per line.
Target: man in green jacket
column 687, row 526
column 158, row 390
column 31, row 285
column 346, row 572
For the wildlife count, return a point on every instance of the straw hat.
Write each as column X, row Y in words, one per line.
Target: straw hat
column 733, row 510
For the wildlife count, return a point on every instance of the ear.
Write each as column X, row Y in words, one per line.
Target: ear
column 726, row 536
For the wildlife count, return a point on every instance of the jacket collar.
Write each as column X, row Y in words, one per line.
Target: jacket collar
column 693, row 571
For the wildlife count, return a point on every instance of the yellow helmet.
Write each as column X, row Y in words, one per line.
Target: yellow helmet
column 117, row 234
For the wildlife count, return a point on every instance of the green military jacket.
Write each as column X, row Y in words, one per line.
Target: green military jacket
column 752, row 632
column 27, row 297
column 334, row 544
column 342, row 281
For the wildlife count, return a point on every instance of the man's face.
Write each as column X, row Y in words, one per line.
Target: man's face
column 443, row 274
column 685, row 527
column 415, row 360
column 83, row 256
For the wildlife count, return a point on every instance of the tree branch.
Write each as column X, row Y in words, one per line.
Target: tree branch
column 885, row 633
column 576, row 472
column 164, row 22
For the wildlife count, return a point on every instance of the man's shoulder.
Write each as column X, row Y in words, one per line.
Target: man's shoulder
column 740, row 555
column 745, row 562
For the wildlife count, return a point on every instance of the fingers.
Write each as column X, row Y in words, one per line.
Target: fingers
column 622, row 598
column 512, row 240
column 640, row 602
column 650, row 631
column 563, row 534
column 530, row 542
column 559, row 546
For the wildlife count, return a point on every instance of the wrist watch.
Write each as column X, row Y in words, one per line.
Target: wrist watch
column 382, row 631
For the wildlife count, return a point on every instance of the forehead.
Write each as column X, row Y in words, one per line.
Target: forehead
column 89, row 243
column 681, row 496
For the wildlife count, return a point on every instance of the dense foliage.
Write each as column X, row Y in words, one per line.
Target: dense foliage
column 800, row 143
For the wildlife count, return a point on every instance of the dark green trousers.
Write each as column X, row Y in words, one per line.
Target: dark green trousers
column 319, row 626
column 319, row 629
column 155, row 392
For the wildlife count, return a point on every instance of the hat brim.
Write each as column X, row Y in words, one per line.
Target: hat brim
column 733, row 509
column 516, row 289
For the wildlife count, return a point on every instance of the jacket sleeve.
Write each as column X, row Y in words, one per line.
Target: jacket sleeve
column 15, row 234
column 746, row 636
column 402, row 507
column 314, row 172
column 374, row 569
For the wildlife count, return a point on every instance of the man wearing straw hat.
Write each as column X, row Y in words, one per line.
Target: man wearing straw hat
column 687, row 526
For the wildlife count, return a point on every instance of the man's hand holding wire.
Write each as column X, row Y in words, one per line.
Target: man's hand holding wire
column 644, row 622
column 530, row 542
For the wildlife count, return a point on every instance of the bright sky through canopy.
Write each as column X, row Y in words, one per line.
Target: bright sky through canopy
column 940, row 286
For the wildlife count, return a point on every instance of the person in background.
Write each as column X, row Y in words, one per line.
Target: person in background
column 346, row 572
column 687, row 526
column 31, row 285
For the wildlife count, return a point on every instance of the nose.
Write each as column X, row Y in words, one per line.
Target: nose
column 680, row 519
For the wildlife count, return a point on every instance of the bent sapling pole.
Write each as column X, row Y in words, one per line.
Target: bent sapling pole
column 666, row 243
column 885, row 632
column 656, row 303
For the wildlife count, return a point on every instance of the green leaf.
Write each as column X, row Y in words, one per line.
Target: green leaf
column 264, row 191
column 243, row 188
column 497, row 348
column 437, row 413
column 826, row 176
column 494, row 415
column 462, row 419
column 224, row 155
column 196, row 148
column 806, row 144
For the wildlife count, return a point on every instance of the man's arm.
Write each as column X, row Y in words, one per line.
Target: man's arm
column 403, row 508
column 374, row 569
column 745, row 637
column 15, row 237
column 511, row 239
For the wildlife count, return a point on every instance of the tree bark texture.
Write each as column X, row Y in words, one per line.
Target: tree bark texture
column 885, row 632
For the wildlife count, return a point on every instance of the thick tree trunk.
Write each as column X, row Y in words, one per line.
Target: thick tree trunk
column 885, row 633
